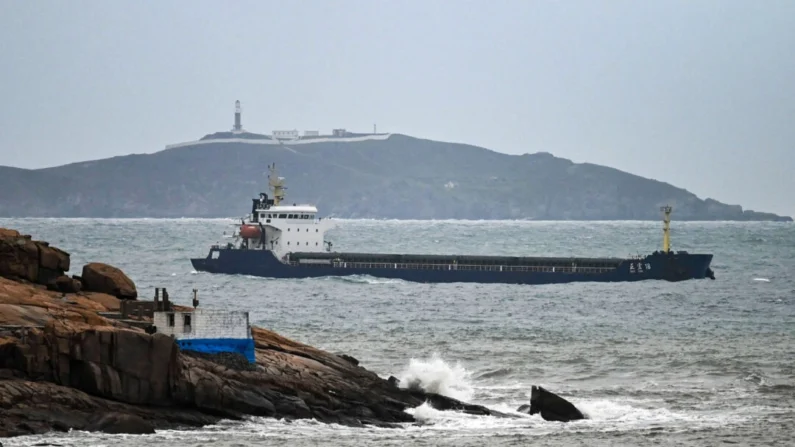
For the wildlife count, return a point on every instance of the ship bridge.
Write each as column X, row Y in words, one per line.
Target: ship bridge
column 275, row 226
column 290, row 228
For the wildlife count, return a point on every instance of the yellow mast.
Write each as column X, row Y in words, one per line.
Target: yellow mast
column 277, row 184
column 666, row 228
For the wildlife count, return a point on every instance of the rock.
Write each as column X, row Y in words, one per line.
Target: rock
column 551, row 406
column 104, row 278
column 61, row 364
column 53, row 258
column 27, row 305
column 7, row 232
column 350, row 359
column 66, row 284
column 103, row 370
column 231, row 360
column 117, row 423
column 19, row 258
column 34, row 261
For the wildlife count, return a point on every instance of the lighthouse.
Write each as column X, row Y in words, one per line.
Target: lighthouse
column 238, row 127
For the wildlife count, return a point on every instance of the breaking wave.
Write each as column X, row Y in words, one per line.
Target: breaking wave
column 434, row 375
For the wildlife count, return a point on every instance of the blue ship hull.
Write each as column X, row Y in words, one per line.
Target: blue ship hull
column 243, row 346
column 672, row 266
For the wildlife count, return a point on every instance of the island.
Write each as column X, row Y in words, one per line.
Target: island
column 348, row 175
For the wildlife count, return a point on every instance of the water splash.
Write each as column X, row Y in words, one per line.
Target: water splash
column 434, row 375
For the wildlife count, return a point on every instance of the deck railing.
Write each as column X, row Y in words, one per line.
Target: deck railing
column 465, row 267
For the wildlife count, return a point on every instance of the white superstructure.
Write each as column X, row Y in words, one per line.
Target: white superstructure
column 282, row 228
column 277, row 141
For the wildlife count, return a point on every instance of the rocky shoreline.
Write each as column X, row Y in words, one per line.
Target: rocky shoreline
column 63, row 365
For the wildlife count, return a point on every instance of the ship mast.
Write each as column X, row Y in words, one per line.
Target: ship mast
column 276, row 184
column 666, row 228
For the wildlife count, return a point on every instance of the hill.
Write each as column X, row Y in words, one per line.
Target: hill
column 394, row 177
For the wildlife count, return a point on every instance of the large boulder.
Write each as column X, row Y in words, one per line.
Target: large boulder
column 7, row 232
column 53, row 258
column 19, row 259
column 29, row 260
column 104, row 278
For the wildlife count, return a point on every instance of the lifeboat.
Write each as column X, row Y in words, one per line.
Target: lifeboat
column 249, row 231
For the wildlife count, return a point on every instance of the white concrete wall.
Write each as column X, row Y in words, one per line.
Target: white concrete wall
column 205, row 323
column 275, row 142
column 285, row 134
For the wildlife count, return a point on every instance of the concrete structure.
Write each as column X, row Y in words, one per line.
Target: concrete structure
column 140, row 309
column 311, row 133
column 208, row 331
column 285, row 134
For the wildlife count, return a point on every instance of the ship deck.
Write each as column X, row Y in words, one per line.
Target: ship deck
column 457, row 262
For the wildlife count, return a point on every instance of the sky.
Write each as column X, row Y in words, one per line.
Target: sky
column 699, row 94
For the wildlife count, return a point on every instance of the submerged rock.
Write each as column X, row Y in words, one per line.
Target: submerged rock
column 551, row 406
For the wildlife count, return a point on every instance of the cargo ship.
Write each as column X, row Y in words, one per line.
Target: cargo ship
column 289, row 241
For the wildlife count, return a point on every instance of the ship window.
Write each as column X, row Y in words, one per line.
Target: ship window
column 288, row 229
column 315, row 243
column 316, row 230
column 288, row 243
column 307, row 243
column 282, row 216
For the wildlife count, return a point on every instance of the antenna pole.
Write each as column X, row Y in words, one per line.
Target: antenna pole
column 277, row 185
column 666, row 228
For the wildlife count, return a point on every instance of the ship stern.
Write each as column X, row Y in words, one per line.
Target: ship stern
column 208, row 263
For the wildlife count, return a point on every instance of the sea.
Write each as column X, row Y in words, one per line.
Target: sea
column 693, row 363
